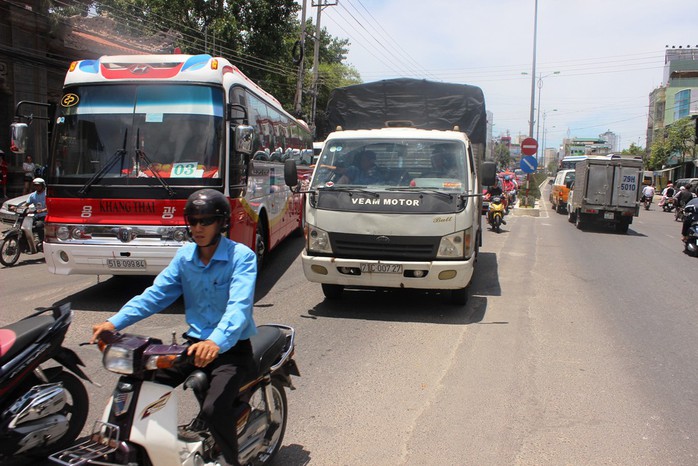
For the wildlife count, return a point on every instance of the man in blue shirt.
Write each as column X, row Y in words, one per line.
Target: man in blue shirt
column 38, row 198
column 217, row 278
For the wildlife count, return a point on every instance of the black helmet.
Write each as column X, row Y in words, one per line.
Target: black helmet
column 208, row 202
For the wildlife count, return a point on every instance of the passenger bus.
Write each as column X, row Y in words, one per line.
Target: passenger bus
column 569, row 162
column 134, row 136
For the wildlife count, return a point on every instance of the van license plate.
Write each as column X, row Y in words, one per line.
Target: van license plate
column 126, row 264
column 608, row 215
column 381, row 268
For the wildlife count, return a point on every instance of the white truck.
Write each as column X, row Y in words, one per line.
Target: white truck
column 395, row 197
column 606, row 189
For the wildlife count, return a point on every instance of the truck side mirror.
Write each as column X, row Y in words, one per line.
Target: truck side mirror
column 489, row 173
column 290, row 173
column 19, row 135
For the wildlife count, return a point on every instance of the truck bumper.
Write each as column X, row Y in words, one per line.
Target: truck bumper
column 434, row 275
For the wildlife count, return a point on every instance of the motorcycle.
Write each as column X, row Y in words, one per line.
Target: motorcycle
column 679, row 215
column 691, row 241
column 41, row 409
column 21, row 238
column 140, row 425
column 495, row 214
column 646, row 201
column 669, row 204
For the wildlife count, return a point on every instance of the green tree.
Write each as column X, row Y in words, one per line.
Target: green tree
column 502, row 155
column 678, row 141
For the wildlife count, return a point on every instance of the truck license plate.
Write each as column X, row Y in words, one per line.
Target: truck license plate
column 608, row 215
column 381, row 268
column 128, row 264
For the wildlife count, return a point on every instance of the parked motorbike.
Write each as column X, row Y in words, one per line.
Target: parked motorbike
column 21, row 238
column 495, row 214
column 669, row 204
column 41, row 409
column 140, row 423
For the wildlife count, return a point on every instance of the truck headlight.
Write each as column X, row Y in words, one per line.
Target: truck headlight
column 452, row 246
column 318, row 240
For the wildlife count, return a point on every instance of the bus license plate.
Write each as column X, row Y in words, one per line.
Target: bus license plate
column 381, row 268
column 127, row 264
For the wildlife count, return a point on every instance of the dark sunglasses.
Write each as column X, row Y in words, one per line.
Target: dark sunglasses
column 206, row 221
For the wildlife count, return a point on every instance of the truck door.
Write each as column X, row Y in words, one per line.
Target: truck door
column 599, row 184
column 627, row 180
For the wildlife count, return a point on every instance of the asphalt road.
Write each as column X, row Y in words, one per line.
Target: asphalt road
column 576, row 347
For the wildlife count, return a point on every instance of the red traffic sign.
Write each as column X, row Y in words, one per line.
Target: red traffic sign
column 529, row 146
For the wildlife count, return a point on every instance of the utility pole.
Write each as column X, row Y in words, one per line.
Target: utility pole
column 533, row 71
column 320, row 5
column 297, row 102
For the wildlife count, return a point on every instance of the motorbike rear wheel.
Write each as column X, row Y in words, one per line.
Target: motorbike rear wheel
column 76, row 409
column 9, row 251
column 280, row 417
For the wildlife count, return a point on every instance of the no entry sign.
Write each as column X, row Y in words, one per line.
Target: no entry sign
column 529, row 146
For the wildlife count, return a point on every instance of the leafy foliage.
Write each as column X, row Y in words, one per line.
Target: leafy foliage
column 679, row 141
column 258, row 36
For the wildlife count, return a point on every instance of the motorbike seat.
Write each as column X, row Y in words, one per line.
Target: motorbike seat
column 267, row 345
column 17, row 336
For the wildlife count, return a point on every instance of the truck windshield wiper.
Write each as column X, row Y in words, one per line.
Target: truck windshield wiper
column 118, row 155
column 140, row 154
column 348, row 189
column 421, row 190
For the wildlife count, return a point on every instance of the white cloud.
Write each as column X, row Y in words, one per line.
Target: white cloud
column 610, row 54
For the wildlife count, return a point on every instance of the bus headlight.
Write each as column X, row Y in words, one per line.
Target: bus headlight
column 452, row 246
column 318, row 241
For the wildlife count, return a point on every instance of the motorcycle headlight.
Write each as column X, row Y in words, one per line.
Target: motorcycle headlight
column 118, row 359
column 452, row 246
column 318, row 241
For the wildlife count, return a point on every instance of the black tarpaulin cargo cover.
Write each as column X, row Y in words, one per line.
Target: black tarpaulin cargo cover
column 428, row 104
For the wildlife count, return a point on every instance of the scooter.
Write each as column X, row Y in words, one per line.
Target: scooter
column 21, row 238
column 691, row 241
column 679, row 215
column 495, row 214
column 646, row 201
column 41, row 409
column 139, row 425
column 669, row 204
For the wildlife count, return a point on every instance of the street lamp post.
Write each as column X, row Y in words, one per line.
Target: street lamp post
column 540, row 86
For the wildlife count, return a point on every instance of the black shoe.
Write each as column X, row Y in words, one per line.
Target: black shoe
column 504, row 222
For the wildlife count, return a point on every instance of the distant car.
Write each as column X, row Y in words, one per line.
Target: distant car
column 8, row 216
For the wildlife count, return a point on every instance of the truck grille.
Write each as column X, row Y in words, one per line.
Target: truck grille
column 376, row 247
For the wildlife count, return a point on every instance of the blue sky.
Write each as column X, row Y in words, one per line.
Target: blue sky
column 609, row 54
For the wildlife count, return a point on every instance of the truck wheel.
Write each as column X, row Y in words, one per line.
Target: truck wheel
column 332, row 291
column 459, row 297
column 578, row 221
column 622, row 227
column 571, row 215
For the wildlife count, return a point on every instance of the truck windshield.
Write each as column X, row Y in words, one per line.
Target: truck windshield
column 420, row 163
column 179, row 128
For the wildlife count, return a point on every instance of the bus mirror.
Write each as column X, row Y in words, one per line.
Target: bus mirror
column 489, row 173
column 290, row 173
column 19, row 135
column 244, row 135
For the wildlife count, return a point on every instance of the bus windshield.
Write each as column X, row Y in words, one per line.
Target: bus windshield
column 412, row 164
column 133, row 133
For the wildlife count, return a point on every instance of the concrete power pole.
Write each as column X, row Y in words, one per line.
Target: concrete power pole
column 297, row 102
column 320, row 5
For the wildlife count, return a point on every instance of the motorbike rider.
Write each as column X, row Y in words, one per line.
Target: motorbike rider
column 38, row 198
column 217, row 278
column 683, row 196
column 647, row 193
column 496, row 190
column 690, row 216
column 667, row 193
